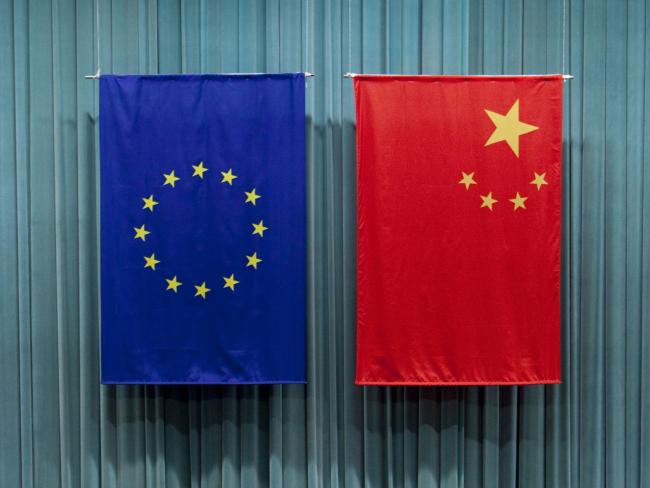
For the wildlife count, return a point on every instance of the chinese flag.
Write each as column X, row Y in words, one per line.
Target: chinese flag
column 459, row 207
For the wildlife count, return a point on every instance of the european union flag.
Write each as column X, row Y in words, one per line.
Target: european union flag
column 203, row 228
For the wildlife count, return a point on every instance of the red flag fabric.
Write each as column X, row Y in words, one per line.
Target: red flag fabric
column 459, row 207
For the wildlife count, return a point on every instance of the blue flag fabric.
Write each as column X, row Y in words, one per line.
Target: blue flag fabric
column 203, row 228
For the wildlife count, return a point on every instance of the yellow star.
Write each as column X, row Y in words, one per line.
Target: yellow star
column 173, row 284
column 508, row 127
column 251, row 196
column 149, row 203
column 230, row 282
column 467, row 180
column 199, row 169
column 519, row 201
column 259, row 228
column 253, row 260
column 151, row 261
column 228, row 177
column 201, row 290
column 140, row 232
column 539, row 180
column 488, row 201
column 170, row 179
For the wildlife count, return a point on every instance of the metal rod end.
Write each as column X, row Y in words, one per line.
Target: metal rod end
column 93, row 77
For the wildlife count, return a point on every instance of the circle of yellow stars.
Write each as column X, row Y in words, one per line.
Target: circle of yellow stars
column 507, row 128
column 227, row 178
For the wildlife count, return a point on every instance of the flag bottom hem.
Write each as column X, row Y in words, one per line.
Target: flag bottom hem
column 456, row 383
column 198, row 383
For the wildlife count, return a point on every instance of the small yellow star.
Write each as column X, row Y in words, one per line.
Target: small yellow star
column 230, row 282
column 228, row 177
column 508, row 127
column 170, row 179
column 151, row 261
column 199, row 169
column 173, row 284
column 467, row 180
column 141, row 232
column 201, row 290
column 253, row 260
column 519, row 201
column 259, row 228
column 251, row 196
column 488, row 201
column 149, row 203
column 539, row 181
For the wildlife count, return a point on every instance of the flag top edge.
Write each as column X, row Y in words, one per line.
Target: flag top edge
column 391, row 77
column 205, row 76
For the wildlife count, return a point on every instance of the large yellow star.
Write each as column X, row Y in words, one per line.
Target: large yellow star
column 141, row 232
column 151, row 261
column 259, row 228
column 508, row 127
column 251, row 196
column 173, row 284
column 228, row 177
column 170, row 179
column 149, row 203
column 467, row 179
column 539, row 180
column 488, row 201
column 199, row 169
column 230, row 282
column 253, row 260
column 519, row 201
column 201, row 290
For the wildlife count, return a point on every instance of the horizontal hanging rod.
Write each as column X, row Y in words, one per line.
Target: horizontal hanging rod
column 98, row 74
column 352, row 75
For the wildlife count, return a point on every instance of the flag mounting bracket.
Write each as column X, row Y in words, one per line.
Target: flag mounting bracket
column 93, row 77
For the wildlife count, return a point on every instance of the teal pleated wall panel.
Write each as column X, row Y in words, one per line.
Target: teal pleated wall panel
column 59, row 427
